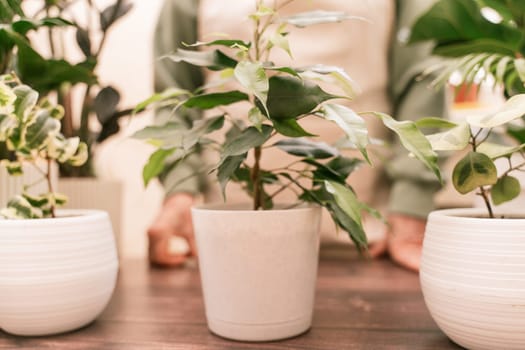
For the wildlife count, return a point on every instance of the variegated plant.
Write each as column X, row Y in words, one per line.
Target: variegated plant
column 484, row 41
column 30, row 130
column 279, row 97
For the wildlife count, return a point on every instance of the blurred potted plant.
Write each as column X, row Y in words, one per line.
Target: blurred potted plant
column 473, row 259
column 258, row 261
column 57, row 75
column 59, row 267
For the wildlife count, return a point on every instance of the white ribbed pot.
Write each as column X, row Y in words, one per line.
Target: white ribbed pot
column 56, row 275
column 258, row 269
column 473, row 277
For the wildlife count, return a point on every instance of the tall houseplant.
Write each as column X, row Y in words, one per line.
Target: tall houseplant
column 258, row 261
column 58, row 267
column 57, row 49
column 473, row 259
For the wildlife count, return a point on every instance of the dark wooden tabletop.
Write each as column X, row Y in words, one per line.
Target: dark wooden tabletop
column 360, row 304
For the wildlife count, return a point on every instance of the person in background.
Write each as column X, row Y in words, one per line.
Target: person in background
column 374, row 54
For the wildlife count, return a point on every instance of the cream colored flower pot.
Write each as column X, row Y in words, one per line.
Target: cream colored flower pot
column 258, row 269
column 56, row 275
column 473, row 278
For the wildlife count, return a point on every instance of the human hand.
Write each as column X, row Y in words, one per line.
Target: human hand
column 173, row 220
column 405, row 240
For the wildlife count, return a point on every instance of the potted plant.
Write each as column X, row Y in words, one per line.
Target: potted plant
column 258, row 261
column 472, row 265
column 46, row 26
column 59, row 267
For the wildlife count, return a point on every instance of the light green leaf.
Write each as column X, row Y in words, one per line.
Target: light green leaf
column 305, row 19
column 351, row 123
column 331, row 75
column 413, row 140
column 454, row 139
column 214, row 60
column 256, row 118
column 435, row 122
column 252, row 76
column 26, row 99
column 281, row 41
column 519, row 63
column 495, row 151
column 306, row 148
column 290, row 128
column 155, row 164
column 473, row 171
column 14, row 168
column 506, row 189
column 7, row 97
column 513, row 109
column 159, row 97
column 346, row 199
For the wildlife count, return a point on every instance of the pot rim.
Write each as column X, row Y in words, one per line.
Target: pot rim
column 247, row 207
column 476, row 214
column 65, row 216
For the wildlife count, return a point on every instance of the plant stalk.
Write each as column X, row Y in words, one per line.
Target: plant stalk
column 483, row 193
column 256, row 179
column 50, row 184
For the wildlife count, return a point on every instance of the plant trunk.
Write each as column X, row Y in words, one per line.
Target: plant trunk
column 256, row 180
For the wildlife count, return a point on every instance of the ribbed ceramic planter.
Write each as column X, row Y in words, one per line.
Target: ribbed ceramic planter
column 473, row 278
column 258, row 270
column 56, row 275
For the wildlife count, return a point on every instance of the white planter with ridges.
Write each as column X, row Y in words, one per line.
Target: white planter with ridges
column 56, row 275
column 473, row 278
column 258, row 269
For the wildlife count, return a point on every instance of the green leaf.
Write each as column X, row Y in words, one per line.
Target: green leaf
column 212, row 100
column 214, row 60
column 252, row 76
column 455, row 139
column 459, row 21
column 155, row 164
column 413, row 140
column 305, row 19
column 306, row 148
column 290, row 128
column 112, row 13
column 326, row 172
column 290, row 97
column 475, row 46
column 7, row 96
column 220, row 42
column 159, row 97
column 519, row 64
column 507, row 188
column 256, row 118
column 350, row 205
column 105, row 103
column 43, row 127
column 351, row 123
column 248, row 139
column 473, row 171
column 513, row 109
column 227, row 169
column 434, row 122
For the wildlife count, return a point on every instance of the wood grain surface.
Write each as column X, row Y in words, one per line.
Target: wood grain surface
column 360, row 304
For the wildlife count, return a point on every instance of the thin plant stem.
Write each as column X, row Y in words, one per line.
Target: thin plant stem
column 49, row 183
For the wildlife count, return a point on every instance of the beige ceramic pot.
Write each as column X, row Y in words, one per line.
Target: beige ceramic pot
column 258, row 269
column 473, row 278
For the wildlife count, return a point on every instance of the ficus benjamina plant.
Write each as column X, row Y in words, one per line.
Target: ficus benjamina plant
column 278, row 99
column 30, row 129
column 484, row 40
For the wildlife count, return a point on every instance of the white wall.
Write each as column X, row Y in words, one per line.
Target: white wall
column 127, row 64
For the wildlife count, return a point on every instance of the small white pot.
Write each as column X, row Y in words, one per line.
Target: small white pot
column 258, row 269
column 56, row 275
column 473, row 278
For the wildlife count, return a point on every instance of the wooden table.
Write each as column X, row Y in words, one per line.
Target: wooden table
column 360, row 305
